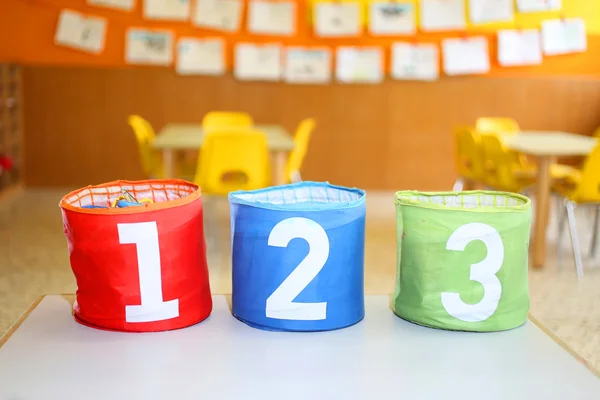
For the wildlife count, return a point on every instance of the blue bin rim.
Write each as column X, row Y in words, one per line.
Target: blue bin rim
column 234, row 198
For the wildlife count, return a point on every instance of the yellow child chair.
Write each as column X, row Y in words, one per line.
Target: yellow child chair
column 233, row 160
column 502, row 170
column 497, row 125
column 468, row 156
column 150, row 159
column 301, row 140
column 507, row 126
column 582, row 188
column 220, row 119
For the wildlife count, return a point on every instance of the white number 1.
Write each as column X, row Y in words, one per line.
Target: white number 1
column 145, row 236
column 280, row 304
column 483, row 272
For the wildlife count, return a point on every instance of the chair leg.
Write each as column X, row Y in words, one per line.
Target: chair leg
column 458, row 185
column 296, row 177
column 562, row 213
column 211, row 222
column 595, row 231
column 574, row 238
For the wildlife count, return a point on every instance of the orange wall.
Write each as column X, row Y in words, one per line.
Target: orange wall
column 27, row 31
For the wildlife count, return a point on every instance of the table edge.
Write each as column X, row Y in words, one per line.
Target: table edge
column 565, row 346
column 12, row 329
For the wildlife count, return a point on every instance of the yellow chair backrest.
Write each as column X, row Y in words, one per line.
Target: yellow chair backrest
column 497, row 125
column 588, row 189
column 468, row 155
column 499, row 168
column 233, row 160
column 150, row 159
column 301, row 140
column 224, row 119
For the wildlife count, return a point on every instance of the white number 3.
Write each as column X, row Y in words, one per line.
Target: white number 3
column 280, row 304
column 483, row 272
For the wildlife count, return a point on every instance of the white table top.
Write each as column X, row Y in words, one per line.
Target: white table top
column 544, row 143
column 50, row 356
column 191, row 137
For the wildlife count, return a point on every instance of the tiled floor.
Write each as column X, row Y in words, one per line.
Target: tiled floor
column 33, row 261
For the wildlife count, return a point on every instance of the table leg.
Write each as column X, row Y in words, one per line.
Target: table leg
column 279, row 162
column 168, row 164
column 542, row 212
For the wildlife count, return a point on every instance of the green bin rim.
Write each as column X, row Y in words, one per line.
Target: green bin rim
column 406, row 198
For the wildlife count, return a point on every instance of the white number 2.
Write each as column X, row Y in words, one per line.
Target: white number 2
column 145, row 236
column 280, row 304
column 483, row 272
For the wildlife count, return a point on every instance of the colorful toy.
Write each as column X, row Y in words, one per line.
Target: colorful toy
column 298, row 256
column 462, row 259
column 138, row 268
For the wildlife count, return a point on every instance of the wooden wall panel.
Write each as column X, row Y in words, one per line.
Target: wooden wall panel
column 391, row 136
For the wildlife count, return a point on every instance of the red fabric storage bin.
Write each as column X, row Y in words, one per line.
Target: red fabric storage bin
column 140, row 268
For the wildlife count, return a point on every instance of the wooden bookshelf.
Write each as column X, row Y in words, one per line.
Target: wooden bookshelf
column 11, row 125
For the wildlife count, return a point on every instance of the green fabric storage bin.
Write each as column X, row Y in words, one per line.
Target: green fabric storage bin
column 462, row 259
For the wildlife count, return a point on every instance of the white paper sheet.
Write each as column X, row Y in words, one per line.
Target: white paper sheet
column 221, row 15
column 359, row 65
column 486, row 11
column 392, row 18
column 197, row 56
column 304, row 65
column 466, row 56
column 258, row 62
column 272, row 18
column 80, row 32
column 528, row 6
column 337, row 19
column 443, row 15
column 175, row 10
column 519, row 47
column 149, row 47
column 125, row 5
column 563, row 36
column 415, row 61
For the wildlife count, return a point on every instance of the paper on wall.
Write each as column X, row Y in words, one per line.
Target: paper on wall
column 486, row 11
column 176, row 10
column 563, row 36
column 443, row 15
column 519, row 47
column 272, row 18
column 303, row 65
column 197, row 56
column 465, row 56
column 80, row 32
column 149, row 47
column 258, row 62
column 337, row 19
column 392, row 18
column 527, row 6
column 222, row 15
column 415, row 61
column 125, row 5
column 359, row 65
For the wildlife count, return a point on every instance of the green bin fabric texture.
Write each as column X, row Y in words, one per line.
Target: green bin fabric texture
column 462, row 259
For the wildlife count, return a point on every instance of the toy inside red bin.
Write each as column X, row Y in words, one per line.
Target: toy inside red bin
column 139, row 268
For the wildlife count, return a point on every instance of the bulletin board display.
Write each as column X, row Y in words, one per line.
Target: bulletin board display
column 27, row 35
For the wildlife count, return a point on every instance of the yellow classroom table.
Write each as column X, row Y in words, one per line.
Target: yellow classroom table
column 185, row 137
column 545, row 147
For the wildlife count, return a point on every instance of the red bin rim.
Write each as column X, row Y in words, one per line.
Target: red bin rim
column 191, row 190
